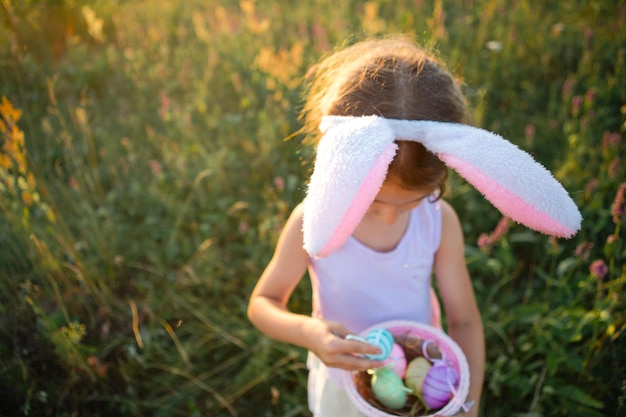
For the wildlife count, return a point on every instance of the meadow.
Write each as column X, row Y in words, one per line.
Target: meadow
column 148, row 161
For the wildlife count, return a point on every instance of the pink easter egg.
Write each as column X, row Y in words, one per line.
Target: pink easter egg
column 438, row 385
column 396, row 360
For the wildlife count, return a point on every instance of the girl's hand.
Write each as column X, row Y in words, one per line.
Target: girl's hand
column 327, row 342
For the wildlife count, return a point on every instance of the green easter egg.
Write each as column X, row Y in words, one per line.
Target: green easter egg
column 389, row 389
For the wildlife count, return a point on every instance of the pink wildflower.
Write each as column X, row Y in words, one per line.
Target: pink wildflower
column 501, row 228
column 97, row 366
column 166, row 104
column 610, row 139
column 614, row 167
column 591, row 94
column 529, row 133
column 568, row 86
column 485, row 241
column 588, row 37
column 583, row 250
column 320, row 37
column 577, row 102
column 618, row 209
column 279, row 183
column 591, row 187
column 156, row 167
column 598, row 269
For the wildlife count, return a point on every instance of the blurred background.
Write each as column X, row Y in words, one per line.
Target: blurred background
column 148, row 162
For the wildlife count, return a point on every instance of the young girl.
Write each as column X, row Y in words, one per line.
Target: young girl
column 383, row 270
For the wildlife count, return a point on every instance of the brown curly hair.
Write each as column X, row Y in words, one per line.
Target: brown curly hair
column 394, row 78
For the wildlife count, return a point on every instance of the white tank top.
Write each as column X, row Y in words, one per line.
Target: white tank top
column 360, row 287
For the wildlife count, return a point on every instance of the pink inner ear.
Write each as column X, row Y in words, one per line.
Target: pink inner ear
column 365, row 196
column 505, row 200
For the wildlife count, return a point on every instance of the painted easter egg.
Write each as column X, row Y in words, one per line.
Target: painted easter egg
column 438, row 386
column 416, row 374
column 389, row 389
column 396, row 360
column 383, row 339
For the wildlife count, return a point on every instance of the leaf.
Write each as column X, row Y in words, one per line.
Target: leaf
column 524, row 237
column 552, row 363
column 579, row 396
column 565, row 266
column 530, row 313
column 494, row 265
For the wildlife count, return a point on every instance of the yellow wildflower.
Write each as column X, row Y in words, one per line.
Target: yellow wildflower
column 74, row 332
column 5, row 161
column 27, row 198
column 8, row 112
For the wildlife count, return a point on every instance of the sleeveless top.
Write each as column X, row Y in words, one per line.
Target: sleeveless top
column 360, row 287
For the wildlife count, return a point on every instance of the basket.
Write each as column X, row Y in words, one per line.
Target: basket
column 410, row 335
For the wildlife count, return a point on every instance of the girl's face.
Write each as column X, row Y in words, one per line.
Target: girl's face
column 392, row 201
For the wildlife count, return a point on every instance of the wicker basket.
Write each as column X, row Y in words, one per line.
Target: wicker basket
column 411, row 336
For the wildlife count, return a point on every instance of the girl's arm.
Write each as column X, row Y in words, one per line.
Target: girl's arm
column 455, row 287
column 267, row 308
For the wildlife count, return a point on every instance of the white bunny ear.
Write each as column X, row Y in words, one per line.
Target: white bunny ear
column 516, row 184
column 350, row 167
column 355, row 152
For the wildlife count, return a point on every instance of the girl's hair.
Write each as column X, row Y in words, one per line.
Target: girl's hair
column 396, row 79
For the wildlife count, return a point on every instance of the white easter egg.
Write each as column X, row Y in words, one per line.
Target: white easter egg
column 416, row 373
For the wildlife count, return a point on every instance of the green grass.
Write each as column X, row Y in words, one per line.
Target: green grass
column 157, row 176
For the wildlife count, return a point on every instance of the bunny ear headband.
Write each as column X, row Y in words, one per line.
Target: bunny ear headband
column 355, row 152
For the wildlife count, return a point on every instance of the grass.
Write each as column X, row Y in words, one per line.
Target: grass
column 145, row 175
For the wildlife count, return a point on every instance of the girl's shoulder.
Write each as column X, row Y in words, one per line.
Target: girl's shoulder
column 298, row 209
column 297, row 214
column 289, row 248
column 292, row 230
column 451, row 230
column 448, row 213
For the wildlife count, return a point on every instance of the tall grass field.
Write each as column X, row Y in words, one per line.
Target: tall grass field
column 148, row 161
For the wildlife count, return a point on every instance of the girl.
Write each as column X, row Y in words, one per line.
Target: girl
column 383, row 270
